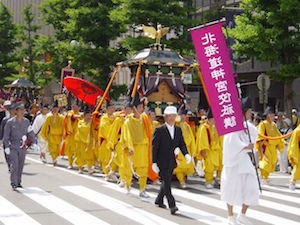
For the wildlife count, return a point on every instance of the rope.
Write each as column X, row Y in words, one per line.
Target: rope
column 276, row 138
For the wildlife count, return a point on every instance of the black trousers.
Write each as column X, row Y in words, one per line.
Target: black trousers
column 165, row 187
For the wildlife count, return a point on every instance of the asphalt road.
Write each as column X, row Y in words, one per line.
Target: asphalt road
column 57, row 195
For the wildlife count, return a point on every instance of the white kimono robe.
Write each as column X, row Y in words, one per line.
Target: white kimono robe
column 37, row 126
column 239, row 183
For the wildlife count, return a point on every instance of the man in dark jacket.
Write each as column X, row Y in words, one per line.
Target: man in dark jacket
column 166, row 140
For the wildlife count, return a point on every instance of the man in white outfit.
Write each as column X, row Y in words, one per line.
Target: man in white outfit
column 239, row 183
column 37, row 127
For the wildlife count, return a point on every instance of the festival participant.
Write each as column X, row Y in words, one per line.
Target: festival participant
column 16, row 132
column 239, row 183
column 210, row 148
column 83, row 137
column 37, row 127
column 183, row 168
column 117, row 145
column 105, row 154
column 166, row 139
column 52, row 132
column 282, row 156
column 294, row 157
column 135, row 137
column 71, row 120
column 268, row 148
column 152, row 118
column 12, row 112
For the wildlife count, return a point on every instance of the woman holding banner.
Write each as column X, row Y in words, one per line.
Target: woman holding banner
column 239, row 184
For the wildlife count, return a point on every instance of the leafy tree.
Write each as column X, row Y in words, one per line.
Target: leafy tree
column 269, row 30
column 8, row 44
column 174, row 14
column 84, row 29
column 29, row 37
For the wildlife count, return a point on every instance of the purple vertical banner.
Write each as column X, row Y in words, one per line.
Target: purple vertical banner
column 218, row 78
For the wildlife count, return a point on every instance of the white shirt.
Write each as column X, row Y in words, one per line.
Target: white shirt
column 171, row 130
column 38, row 123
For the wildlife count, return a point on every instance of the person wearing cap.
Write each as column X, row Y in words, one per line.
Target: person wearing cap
column 71, row 120
column 105, row 155
column 5, row 113
column 37, row 127
column 210, row 149
column 294, row 157
column 183, row 168
column 17, row 132
column 136, row 139
column 12, row 113
column 282, row 156
column 83, row 143
column 267, row 148
column 52, row 132
column 239, row 184
column 167, row 138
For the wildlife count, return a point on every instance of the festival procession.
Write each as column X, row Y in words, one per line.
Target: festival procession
column 145, row 129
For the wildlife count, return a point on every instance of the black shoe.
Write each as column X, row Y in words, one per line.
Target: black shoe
column 14, row 187
column 173, row 210
column 161, row 205
column 19, row 186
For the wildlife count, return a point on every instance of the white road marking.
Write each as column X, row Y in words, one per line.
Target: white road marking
column 12, row 215
column 60, row 207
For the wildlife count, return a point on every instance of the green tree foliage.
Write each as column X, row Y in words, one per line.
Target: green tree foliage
column 29, row 37
column 269, row 30
column 8, row 44
column 174, row 14
column 84, row 29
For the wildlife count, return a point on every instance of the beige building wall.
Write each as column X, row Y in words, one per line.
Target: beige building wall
column 16, row 7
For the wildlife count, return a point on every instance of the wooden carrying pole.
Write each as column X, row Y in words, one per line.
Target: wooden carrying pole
column 107, row 89
column 136, row 81
column 202, row 82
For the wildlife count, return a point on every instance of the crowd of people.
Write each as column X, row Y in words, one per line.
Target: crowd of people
column 133, row 143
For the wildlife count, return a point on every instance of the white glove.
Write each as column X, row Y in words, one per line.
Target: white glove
column 24, row 138
column 35, row 147
column 176, row 151
column 155, row 168
column 188, row 158
column 7, row 151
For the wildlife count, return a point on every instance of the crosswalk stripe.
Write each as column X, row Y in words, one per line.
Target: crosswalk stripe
column 255, row 214
column 286, row 190
column 267, row 203
column 62, row 208
column 12, row 215
column 117, row 206
column 187, row 211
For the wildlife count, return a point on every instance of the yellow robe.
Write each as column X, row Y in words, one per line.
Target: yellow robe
column 209, row 141
column 125, row 169
column 70, row 127
column 136, row 139
column 113, row 140
column 183, row 168
column 268, row 159
column 104, row 154
column 294, row 153
column 52, row 132
column 83, row 137
column 95, row 132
